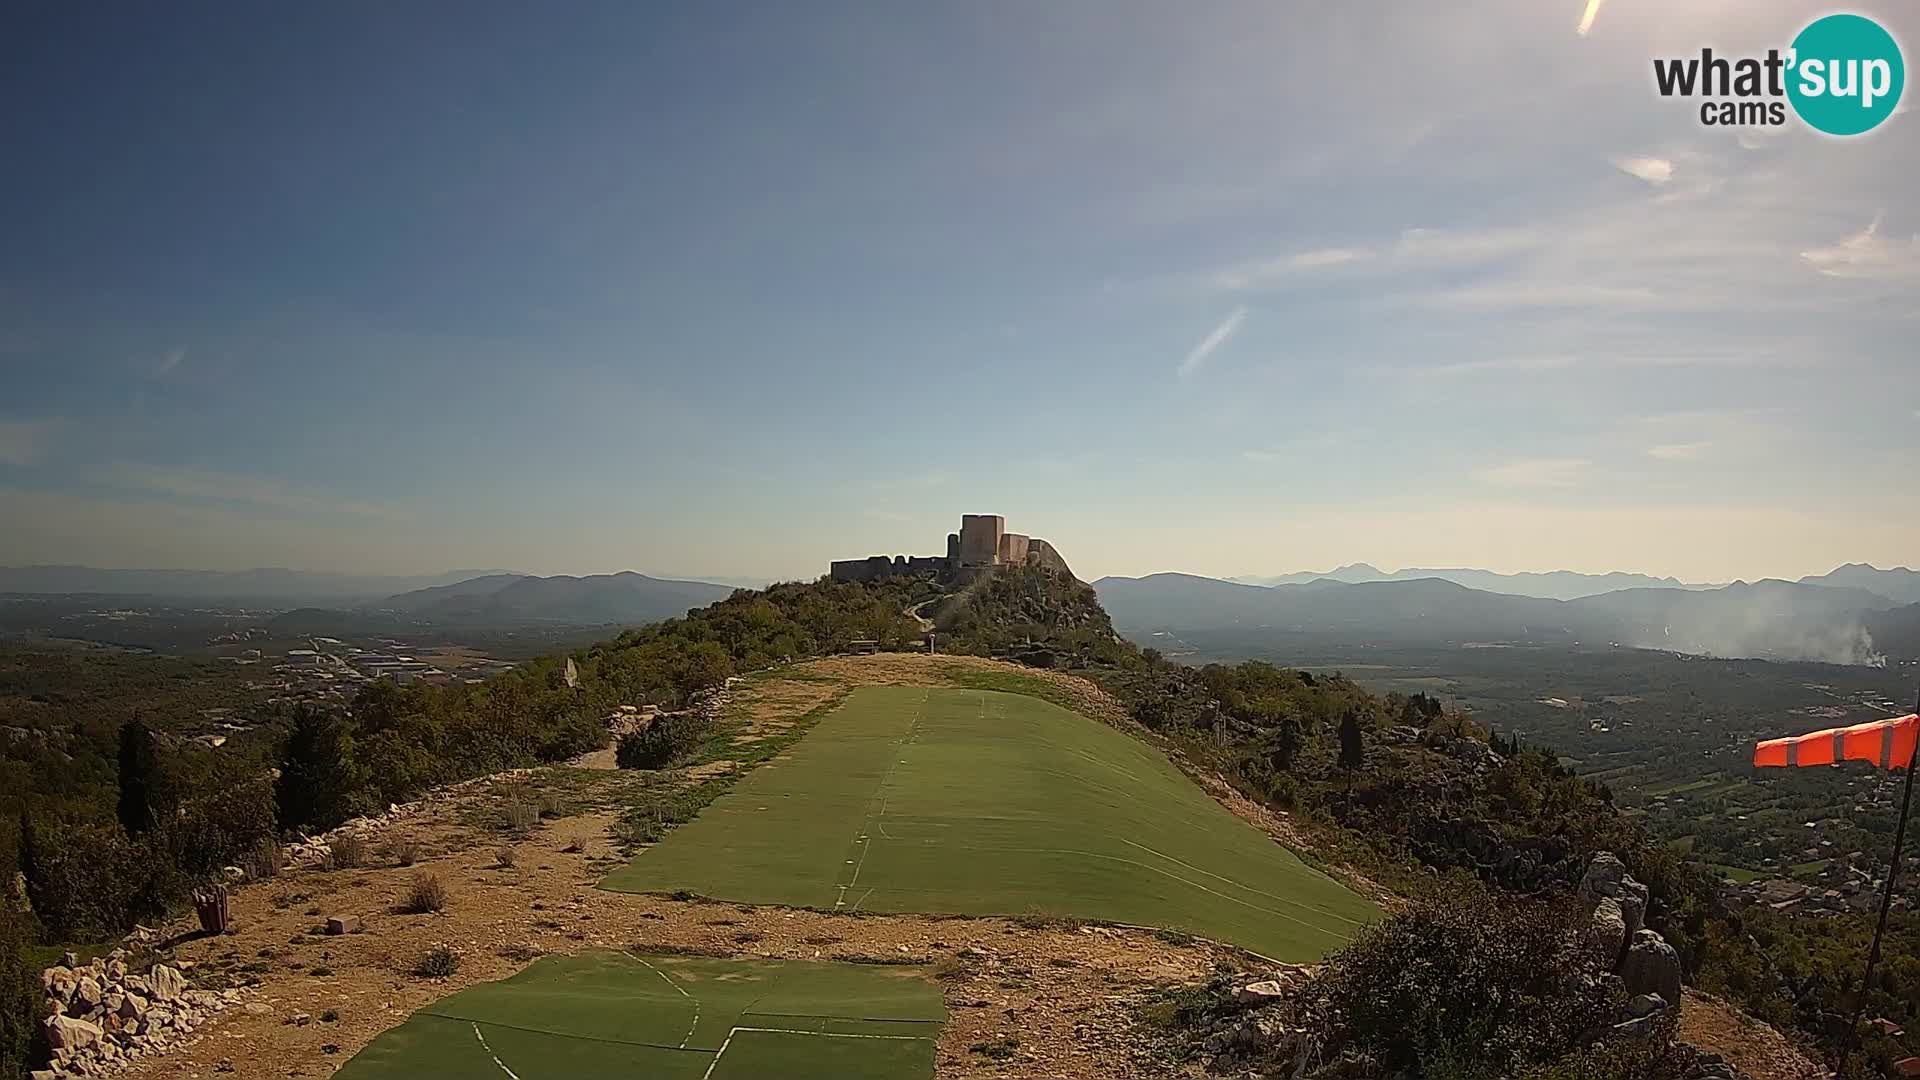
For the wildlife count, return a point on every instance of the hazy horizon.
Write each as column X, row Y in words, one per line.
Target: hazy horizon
column 379, row 289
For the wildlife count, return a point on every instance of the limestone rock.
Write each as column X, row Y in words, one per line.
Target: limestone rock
column 1652, row 966
column 1607, row 878
column 1607, row 932
column 86, row 995
column 67, row 1033
column 343, row 924
column 1260, row 993
column 1646, row 1005
column 166, row 983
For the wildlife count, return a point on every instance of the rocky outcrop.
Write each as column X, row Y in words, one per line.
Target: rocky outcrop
column 1651, row 966
column 1607, row 878
column 102, row 1017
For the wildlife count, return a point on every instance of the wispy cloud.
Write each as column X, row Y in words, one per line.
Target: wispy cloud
column 1534, row 473
column 23, row 442
column 1653, row 170
column 1411, row 250
column 170, row 359
column 1490, row 365
column 239, row 488
column 1677, row 451
column 1867, row 254
column 1217, row 337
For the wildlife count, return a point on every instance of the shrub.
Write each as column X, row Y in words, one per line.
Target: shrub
column 428, row 894
column 21, row 1002
column 266, row 860
column 88, row 881
column 504, row 858
column 1468, row 983
column 550, row 805
column 349, row 852
column 406, row 852
column 438, row 962
column 520, row 816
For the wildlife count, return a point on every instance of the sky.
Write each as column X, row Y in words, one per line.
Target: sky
column 733, row 290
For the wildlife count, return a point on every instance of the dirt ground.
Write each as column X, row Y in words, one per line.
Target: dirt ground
column 1753, row 1047
column 1062, row 994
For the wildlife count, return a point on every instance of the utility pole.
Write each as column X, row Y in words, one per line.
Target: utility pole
column 1893, row 874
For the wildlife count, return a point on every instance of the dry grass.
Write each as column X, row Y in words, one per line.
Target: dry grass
column 349, row 852
column 425, row 896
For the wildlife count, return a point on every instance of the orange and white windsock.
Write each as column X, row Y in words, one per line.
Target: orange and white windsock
column 1886, row 744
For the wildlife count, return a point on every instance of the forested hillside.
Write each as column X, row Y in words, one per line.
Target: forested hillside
column 1394, row 788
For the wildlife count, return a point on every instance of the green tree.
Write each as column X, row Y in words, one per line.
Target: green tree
column 320, row 783
column 20, row 998
column 145, row 796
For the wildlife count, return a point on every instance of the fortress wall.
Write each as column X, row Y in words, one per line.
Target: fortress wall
column 1013, row 549
column 980, row 539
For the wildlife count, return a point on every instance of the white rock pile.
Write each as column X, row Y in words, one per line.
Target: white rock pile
column 102, row 1017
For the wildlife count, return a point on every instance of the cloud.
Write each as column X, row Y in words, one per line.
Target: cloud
column 170, row 359
column 1493, row 364
column 1677, row 451
column 1653, row 170
column 1534, row 473
column 1219, row 336
column 1412, row 250
column 227, row 487
column 1867, row 254
column 23, row 442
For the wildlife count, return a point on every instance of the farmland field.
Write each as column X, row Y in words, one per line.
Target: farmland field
column 975, row 802
column 670, row 1018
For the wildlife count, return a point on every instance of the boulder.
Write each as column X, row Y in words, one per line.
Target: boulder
column 86, row 995
column 343, row 924
column 1652, row 966
column 132, row 1006
column 1260, row 993
column 1607, row 878
column 1646, row 1005
column 58, row 980
column 165, row 982
column 69, row 1034
column 1607, row 932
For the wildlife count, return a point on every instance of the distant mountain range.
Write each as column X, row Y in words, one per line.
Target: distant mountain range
column 1900, row 585
column 1552, row 585
column 506, row 599
column 1769, row 619
column 267, row 587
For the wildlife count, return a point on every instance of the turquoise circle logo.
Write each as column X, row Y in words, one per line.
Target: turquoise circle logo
column 1847, row 74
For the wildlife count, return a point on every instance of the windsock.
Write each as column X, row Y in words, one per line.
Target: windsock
column 1886, row 744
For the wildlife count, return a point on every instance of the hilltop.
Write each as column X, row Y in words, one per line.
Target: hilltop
column 1397, row 796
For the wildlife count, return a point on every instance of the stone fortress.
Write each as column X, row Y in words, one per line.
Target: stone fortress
column 982, row 546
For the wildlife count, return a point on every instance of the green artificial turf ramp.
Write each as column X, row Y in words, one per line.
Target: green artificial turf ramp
column 602, row 1014
column 975, row 802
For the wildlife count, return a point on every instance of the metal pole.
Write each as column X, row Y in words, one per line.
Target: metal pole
column 1893, row 873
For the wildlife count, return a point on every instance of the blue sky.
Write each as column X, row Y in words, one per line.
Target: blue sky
column 733, row 290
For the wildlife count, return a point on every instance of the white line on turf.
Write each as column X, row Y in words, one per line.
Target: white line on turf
column 728, row 1041
column 683, row 993
column 491, row 1054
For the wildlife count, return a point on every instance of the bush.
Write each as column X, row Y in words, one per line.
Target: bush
column 520, row 816
column 406, row 852
column 266, row 860
column 349, row 852
column 438, row 962
column 20, row 998
column 1467, row 984
column 428, row 894
column 88, row 881
column 504, row 858
column 659, row 743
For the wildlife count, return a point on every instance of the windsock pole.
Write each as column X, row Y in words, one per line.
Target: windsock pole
column 1893, row 873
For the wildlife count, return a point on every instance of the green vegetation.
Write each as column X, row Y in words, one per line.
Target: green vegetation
column 671, row 1018
column 976, row 802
